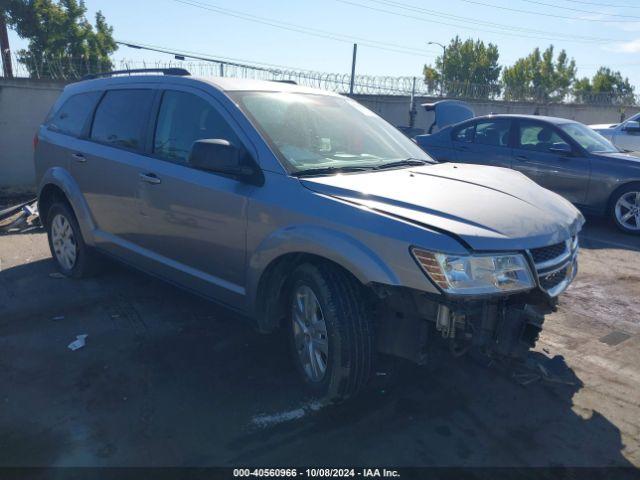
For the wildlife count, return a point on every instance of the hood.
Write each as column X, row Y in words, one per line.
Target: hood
column 604, row 126
column 488, row 208
column 620, row 156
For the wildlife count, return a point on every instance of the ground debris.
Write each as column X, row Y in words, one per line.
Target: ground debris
column 20, row 218
column 78, row 343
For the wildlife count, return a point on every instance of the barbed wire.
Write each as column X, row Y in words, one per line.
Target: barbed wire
column 74, row 69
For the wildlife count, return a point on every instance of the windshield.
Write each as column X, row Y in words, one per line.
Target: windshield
column 588, row 139
column 325, row 133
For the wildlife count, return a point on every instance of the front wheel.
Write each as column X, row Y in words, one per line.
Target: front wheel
column 330, row 330
column 625, row 209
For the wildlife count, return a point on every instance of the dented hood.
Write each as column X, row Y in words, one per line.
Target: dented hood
column 488, row 208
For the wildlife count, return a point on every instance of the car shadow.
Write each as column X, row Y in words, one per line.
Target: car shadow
column 600, row 233
column 167, row 378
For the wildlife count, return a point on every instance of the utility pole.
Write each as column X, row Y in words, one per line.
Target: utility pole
column 412, row 105
column 353, row 68
column 444, row 57
column 5, row 51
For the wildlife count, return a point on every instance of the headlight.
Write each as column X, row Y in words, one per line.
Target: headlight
column 476, row 274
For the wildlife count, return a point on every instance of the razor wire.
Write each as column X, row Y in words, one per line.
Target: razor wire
column 68, row 70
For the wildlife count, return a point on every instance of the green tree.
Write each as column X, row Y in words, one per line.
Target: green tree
column 606, row 86
column 470, row 69
column 62, row 42
column 539, row 77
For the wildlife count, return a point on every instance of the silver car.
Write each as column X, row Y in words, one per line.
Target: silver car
column 624, row 135
column 304, row 211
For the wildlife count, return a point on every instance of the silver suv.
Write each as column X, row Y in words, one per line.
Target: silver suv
column 305, row 211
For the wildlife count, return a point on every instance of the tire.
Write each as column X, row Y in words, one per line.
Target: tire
column 350, row 347
column 60, row 218
column 624, row 209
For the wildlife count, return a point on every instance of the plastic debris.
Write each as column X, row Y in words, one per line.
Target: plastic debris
column 78, row 343
column 21, row 218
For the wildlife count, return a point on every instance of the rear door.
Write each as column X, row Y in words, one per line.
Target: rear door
column 484, row 142
column 564, row 173
column 194, row 222
column 108, row 164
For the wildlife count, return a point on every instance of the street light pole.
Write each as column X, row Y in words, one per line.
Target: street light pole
column 444, row 56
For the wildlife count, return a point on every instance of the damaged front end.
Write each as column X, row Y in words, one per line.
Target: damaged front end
column 410, row 322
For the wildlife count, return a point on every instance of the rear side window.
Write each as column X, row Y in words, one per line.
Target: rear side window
column 121, row 118
column 465, row 134
column 184, row 118
column 493, row 133
column 71, row 118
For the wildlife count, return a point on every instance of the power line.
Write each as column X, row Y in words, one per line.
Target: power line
column 207, row 57
column 602, row 4
column 553, row 36
column 308, row 30
column 551, row 15
column 580, row 10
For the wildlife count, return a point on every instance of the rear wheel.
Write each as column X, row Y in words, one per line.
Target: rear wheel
column 330, row 331
column 73, row 257
column 625, row 209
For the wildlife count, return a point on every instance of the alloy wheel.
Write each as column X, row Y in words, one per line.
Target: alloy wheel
column 64, row 242
column 310, row 333
column 628, row 211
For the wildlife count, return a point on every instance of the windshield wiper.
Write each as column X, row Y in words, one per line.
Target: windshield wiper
column 408, row 162
column 329, row 171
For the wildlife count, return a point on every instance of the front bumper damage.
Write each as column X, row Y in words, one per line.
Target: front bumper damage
column 411, row 323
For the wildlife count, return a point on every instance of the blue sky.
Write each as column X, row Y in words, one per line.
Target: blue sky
column 392, row 34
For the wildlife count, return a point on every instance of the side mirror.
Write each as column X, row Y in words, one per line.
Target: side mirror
column 220, row 156
column 561, row 148
column 631, row 126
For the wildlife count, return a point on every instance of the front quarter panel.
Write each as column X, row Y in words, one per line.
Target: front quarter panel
column 375, row 248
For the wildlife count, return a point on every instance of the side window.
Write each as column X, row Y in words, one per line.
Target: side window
column 494, row 133
column 465, row 134
column 538, row 137
column 184, row 118
column 121, row 118
column 71, row 118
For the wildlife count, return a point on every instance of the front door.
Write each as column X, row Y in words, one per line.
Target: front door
column 194, row 222
column 564, row 172
column 627, row 138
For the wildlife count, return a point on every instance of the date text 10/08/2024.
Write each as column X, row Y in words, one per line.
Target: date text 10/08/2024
column 316, row 472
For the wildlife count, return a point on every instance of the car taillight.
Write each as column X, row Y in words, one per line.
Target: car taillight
column 35, row 140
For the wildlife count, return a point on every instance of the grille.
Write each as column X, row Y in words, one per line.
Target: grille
column 545, row 254
column 550, row 281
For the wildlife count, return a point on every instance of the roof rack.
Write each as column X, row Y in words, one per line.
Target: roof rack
column 180, row 72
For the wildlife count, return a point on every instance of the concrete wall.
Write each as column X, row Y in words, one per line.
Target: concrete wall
column 23, row 105
column 396, row 110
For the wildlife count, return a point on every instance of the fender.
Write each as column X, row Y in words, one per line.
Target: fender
column 331, row 244
column 62, row 179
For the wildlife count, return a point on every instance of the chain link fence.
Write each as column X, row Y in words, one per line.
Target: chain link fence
column 74, row 69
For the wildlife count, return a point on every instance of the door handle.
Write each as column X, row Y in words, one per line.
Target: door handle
column 151, row 178
column 79, row 157
column 522, row 157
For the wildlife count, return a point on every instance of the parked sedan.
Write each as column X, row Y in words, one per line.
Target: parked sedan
column 625, row 135
column 561, row 155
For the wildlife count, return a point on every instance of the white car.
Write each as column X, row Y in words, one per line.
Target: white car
column 625, row 135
